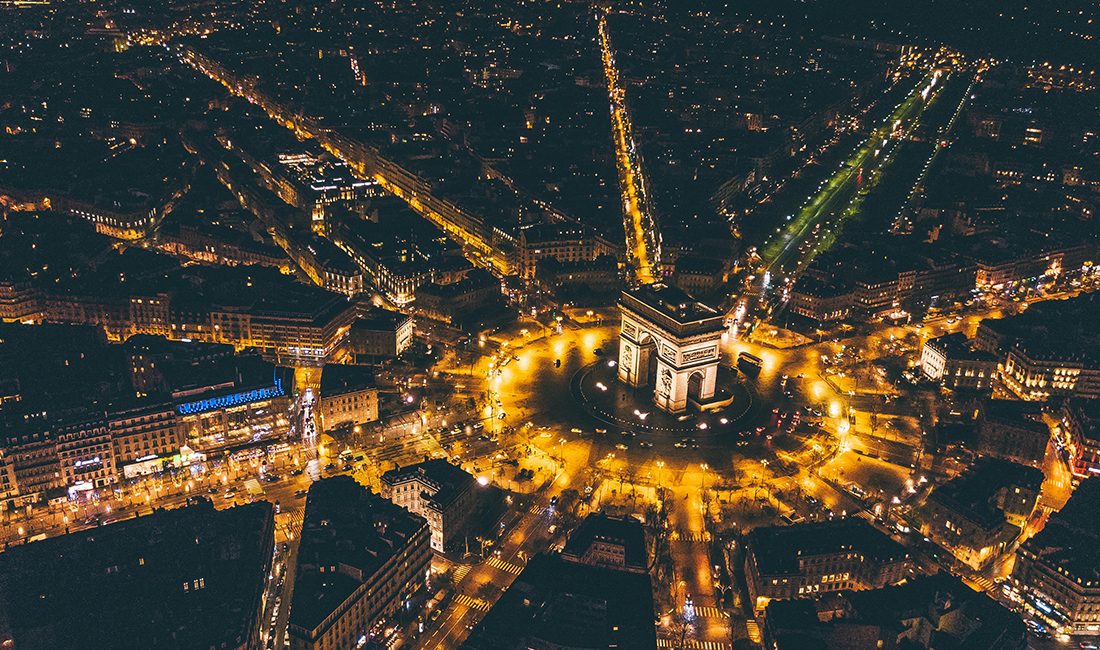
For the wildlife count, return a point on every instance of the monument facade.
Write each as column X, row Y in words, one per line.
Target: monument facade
column 671, row 342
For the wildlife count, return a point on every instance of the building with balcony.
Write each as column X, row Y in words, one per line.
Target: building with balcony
column 1057, row 572
column 820, row 301
column 1081, row 426
column 1050, row 350
column 85, row 452
column 566, row 243
column 146, row 436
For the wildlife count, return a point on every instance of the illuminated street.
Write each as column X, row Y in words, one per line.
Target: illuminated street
column 643, row 239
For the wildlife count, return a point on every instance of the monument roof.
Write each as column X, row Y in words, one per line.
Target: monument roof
column 672, row 309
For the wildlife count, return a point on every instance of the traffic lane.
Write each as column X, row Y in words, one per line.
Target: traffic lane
column 460, row 619
column 453, row 628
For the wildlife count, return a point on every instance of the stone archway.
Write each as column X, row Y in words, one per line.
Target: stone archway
column 666, row 339
column 695, row 386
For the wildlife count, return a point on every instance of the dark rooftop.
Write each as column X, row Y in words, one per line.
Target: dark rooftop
column 565, row 604
column 379, row 319
column 337, row 379
column 345, row 525
column 1087, row 414
column 954, row 616
column 957, row 346
column 778, row 549
column 973, row 493
column 625, row 532
column 1055, row 329
column 1019, row 413
column 981, row 623
column 184, row 578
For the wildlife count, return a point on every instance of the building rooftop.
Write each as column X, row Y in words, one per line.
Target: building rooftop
column 337, row 379
column 955, row 615
column 979, row 622
column 185, row 578
column 624, row 532
column 1087, row 413
column 1019, row 413
column 779, row 549
column 350, row 532
column 565, row 604
column 973, row 493
column 449, row 481
column 817, row 287
column 956, row 346
column 59, row 365
column 1055, row 329
column 1070, row 541
column 699, row 265
column 552, row 233
column 378, row 319
column 475, row 280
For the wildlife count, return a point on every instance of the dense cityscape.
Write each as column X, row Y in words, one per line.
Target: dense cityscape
column 549, row 325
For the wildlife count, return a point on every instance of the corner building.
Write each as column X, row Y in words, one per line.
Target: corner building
column 360, row 559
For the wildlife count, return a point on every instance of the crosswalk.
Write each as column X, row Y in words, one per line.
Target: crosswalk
column 982, row 583
column 293, row 520
column 496, row 563
column 471, row 602
column 460, row 572
column 536, row 509
column 753, row 629
column 678, row 536
column 706, row 611
column 693, row 644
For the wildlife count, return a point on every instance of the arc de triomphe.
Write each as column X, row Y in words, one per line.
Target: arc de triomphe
column 669, row 341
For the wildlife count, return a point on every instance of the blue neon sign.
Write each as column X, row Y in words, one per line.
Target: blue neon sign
column 234, row 399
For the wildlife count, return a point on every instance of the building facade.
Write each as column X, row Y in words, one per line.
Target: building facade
column 348, row 397
column 145, row 437
column 86, row 454
column 1080, row 421
column 380, row 334
column 1056, row 571
column 979, row 513
column 440, row 492
column 810, row 558
column 1013, row 430
column 950, row 361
